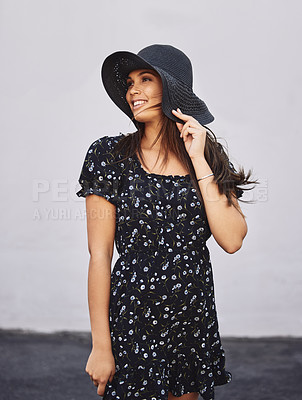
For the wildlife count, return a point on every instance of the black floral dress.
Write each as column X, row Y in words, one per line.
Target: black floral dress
column 162, row 314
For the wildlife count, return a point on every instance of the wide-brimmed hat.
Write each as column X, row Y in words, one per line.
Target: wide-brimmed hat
column 175, row 70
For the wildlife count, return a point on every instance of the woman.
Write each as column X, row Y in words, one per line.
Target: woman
column 159, row 193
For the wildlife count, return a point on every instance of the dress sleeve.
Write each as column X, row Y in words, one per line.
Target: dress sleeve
column 239, row 192
column 99, row 175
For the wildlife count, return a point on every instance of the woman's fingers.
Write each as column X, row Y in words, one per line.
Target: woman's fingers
column 100, row 384
column 101, row 389
column 111, row 376
column 179, row 126
column 100, row 368
column 192, row 132
column 189, row 130
column 180, row 115
column 191, row 123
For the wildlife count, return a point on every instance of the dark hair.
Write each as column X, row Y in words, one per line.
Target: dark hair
column 225, row 175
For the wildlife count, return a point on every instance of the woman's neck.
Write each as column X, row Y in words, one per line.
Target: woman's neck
column 150, row 133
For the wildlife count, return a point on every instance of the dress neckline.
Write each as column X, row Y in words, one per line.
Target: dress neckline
column 187, row 176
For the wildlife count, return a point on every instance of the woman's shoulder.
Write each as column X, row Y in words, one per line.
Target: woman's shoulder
column 100, row 171
column 105, row 143
column 103, row 147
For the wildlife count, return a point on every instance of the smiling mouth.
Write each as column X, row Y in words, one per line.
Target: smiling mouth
column 138, row 103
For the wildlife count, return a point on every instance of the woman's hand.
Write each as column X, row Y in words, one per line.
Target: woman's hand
column 101, row 368
column 192, row 133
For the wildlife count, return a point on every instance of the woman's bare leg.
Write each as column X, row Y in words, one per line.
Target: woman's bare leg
column 187, row 396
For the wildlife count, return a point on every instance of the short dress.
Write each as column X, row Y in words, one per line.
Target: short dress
column 162, row 315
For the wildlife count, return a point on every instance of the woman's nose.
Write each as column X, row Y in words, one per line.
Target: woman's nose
column 134, row 89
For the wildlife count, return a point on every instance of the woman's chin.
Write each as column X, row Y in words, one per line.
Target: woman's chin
column 145, row 116
column 140, row 116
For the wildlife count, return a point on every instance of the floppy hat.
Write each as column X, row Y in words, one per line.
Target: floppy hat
column 175, row 70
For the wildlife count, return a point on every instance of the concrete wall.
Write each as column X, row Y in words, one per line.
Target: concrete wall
column 248, row 70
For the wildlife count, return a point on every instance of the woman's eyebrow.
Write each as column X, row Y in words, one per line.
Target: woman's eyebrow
column 143, row 72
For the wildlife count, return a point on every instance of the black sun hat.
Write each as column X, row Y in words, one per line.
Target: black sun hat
column 175, row 70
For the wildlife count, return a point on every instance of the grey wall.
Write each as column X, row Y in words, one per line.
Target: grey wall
column 248, row 70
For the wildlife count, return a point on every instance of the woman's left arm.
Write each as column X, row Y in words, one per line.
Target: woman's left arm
column 227, row 225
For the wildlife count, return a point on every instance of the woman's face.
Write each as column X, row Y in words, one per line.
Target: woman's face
column 144, row 90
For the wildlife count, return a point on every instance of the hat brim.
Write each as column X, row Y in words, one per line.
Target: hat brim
column 176, row 94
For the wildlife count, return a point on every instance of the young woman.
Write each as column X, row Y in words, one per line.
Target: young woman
column 158, row 193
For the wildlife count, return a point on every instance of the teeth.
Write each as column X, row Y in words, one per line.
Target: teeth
column 138, row 102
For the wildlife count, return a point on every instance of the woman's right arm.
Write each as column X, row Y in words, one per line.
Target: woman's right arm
column 101, row 232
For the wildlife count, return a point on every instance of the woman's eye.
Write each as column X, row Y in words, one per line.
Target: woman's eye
column 144, row 79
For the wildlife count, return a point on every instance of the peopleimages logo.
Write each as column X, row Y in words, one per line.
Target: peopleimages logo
column 56, row 200
column 49, row 196
column 56, row 190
